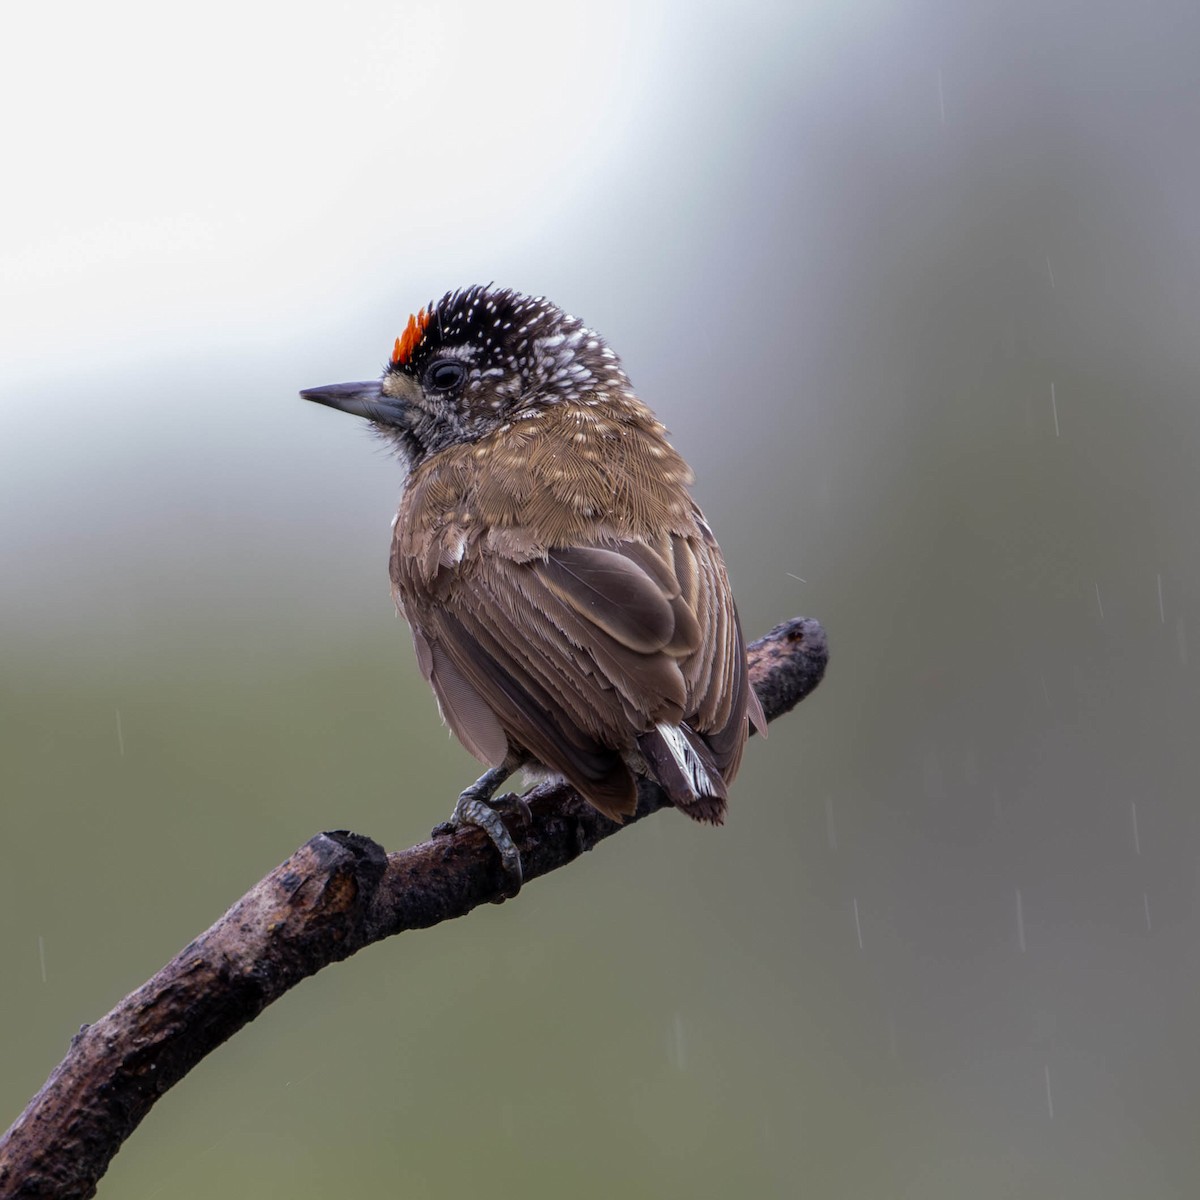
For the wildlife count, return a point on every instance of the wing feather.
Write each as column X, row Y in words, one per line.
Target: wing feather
column 613, row 592
column 578, row 656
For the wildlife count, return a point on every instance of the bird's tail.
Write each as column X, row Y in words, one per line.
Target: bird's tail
column 684, row 767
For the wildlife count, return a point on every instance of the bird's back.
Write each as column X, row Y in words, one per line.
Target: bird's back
column 568, row 600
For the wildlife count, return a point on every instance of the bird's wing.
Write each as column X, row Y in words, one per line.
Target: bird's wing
column 573, row 655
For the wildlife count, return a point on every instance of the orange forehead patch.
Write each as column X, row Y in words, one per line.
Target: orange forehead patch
column 410, row 339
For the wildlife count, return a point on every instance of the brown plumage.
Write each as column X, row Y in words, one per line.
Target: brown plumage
column 568, row 601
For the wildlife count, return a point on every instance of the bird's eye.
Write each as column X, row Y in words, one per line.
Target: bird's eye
column 445, row 374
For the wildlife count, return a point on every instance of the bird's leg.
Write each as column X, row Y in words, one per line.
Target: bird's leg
column 475, row 807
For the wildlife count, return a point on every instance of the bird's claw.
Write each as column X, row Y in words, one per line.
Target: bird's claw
column 514, row 805
column 470, row 810
column 476, row 807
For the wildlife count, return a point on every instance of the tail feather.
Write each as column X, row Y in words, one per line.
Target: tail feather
column 684, row 767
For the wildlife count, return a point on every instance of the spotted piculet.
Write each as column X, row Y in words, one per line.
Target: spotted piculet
column 568, row 601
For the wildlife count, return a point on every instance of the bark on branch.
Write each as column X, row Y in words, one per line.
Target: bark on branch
column 338, row 893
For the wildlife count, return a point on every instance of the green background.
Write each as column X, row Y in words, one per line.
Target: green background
column 916, row 289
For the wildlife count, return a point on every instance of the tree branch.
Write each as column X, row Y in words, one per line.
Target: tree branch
column 338, row 893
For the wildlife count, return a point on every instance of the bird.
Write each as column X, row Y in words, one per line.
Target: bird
column 567, row 599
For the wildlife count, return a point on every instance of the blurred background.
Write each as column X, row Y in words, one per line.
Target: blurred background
column 916, row 288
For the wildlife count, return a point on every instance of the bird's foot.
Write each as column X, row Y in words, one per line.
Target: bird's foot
column 476, row 807
column 513, row 804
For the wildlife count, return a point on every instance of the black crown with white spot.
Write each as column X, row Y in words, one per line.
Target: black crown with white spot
column 522, row 347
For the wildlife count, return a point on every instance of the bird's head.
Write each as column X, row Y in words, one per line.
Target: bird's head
column 475, row 360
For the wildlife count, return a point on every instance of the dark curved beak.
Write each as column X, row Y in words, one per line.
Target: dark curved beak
column 358, row 399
